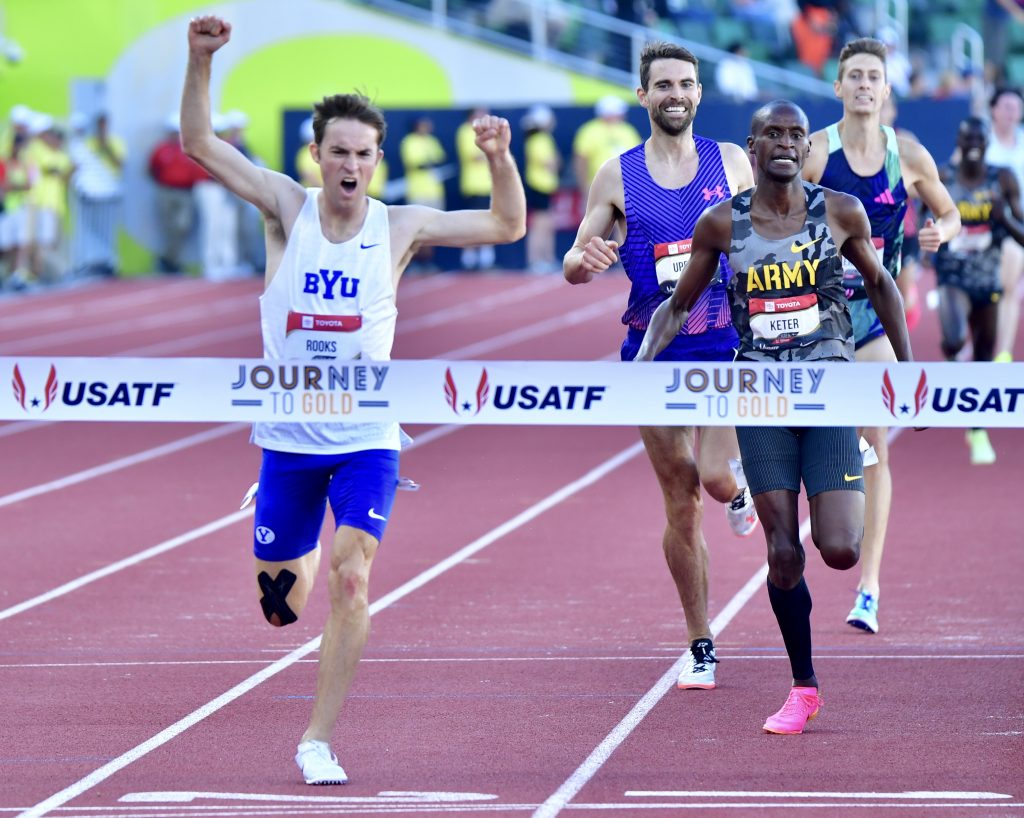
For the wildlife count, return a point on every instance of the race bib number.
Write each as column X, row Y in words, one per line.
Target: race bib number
column 775, row 322
column 670, row 260
column 974, row 238
column 323, row 337
column 852, row 279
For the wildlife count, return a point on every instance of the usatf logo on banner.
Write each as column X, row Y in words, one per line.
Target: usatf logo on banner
column 904, row 408
column 462, row 405
column 32, row 403
column 94, row 393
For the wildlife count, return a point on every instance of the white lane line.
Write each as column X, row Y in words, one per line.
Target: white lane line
column 913, row 795
column 128, row 562
column 100, row 304
column 555, row 324
column 571, row 787
column 507, row 659
column 370, row 806
column 186, row 314
column 464, row 309
column 167, row 545
column 16, row 427
column 107, row 770
column 560, row 799
column 121, row 463
column 385, row 797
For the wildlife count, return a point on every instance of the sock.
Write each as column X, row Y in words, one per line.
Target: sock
column 793, row 612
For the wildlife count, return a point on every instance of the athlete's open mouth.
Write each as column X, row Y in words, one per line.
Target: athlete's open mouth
column 348, row 185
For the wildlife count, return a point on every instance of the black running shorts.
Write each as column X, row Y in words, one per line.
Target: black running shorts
column 826, row 458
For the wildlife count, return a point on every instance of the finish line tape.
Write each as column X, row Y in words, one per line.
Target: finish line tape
column 592, row 393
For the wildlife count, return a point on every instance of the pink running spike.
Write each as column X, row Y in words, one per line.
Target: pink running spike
column 802, row 705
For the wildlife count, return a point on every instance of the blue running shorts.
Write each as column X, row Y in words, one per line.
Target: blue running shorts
column 826, row 458
column 294, row 490
column 713, row 345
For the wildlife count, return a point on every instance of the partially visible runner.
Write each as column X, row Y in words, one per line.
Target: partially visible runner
column 1006, row 149
column 653, row 194
column 967, row 268
column 858, row 155
column 786, row 221
column 311, row 309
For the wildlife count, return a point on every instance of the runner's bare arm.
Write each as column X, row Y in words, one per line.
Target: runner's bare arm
column 851, row 231
column 712, row 236
column 924, row 183
column 1006, row 206
column 593, row 252
column 504, row 222
column 276, row 195
column 738, row 172
column 817, row 158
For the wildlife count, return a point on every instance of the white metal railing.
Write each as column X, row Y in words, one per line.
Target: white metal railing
column 894, row 14
column 968, row 53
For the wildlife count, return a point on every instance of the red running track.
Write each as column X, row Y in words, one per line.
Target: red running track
column 524, row 625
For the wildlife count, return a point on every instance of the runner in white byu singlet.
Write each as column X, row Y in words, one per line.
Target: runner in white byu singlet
column 334, row 259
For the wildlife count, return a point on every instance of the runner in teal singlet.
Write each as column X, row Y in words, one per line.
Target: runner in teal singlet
column 859, row 156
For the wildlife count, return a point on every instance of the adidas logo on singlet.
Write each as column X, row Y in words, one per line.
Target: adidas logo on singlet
column 885, row 197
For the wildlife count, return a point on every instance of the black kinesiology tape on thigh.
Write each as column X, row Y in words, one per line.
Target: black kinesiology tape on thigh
column 275, row 595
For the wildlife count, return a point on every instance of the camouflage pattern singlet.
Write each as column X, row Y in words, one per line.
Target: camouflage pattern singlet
column 787, row 296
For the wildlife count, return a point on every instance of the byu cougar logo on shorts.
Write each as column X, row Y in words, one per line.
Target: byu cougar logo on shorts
column 33, row 403
column 462, row 406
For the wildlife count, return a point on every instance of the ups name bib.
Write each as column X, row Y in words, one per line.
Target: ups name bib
column 670, row 260
column 775, row 322
column 974, row 238
column 323, row 337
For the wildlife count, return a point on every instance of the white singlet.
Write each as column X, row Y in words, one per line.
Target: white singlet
column 330, row 301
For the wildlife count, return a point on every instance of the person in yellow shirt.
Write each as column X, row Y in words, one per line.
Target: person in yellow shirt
column 422, row 155
column 48, row 198
column 474, row 185
column 543, row 165
column 601, row 138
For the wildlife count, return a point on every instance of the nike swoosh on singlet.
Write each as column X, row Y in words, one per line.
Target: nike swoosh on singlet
column 797, row 248
column 846, row 477
column 367, row 246
column 375, row 515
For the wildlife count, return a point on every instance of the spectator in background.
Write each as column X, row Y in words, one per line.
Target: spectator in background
column 734, row 75
column 768, row 20
column 14, row 226
column 897, row 64
column 218, row 220
column 48, row 198
column 543, row 166
column 998, row 17
column 306, row 167
column 598, row 140
column 175, row 176
column 1006, row 150
column 97, row 192
column 19, row 120
column 252, row 251
column 814, row 31
column 422, row 157
column 474, row 185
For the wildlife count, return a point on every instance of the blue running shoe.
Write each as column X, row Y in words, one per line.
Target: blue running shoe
column 865, row 613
